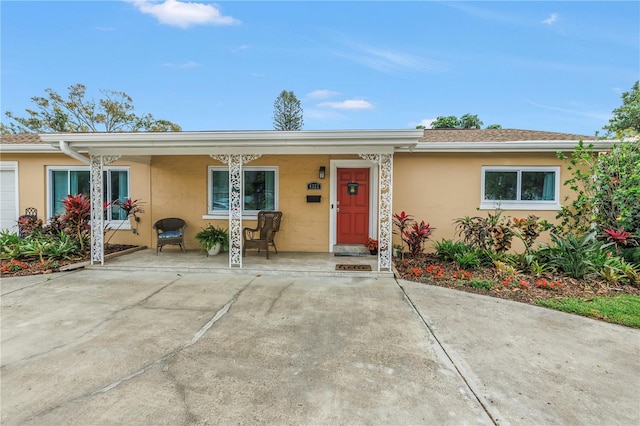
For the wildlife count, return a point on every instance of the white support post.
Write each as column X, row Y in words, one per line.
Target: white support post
column 236, row 182
column 385, row 222
column 97, row 211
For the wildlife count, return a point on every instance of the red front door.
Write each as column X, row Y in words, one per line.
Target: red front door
column 353, row 206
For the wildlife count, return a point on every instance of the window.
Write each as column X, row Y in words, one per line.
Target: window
column 260, row 191
column 520, row 188
column 65, row 181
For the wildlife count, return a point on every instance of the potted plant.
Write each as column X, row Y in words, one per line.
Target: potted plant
column 372, row 245
column 212, row 238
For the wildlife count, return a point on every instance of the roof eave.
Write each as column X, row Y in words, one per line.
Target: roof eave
column 257, row 142
column 508, row 146
column 27, row 148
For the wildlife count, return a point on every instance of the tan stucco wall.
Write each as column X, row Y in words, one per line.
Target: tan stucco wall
column 180, row 190
column 32, row 179
column 436, row 187
column 441, row 187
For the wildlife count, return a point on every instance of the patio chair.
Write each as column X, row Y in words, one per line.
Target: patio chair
column 262, row 236
column 170, row 231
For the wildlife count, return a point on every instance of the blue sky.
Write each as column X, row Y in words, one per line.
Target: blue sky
column 557, row 66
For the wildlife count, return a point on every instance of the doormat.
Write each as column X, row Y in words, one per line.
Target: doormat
column 350, row 254
column 343, row 267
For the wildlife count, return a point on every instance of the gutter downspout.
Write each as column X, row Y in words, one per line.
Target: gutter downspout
column 64, row 147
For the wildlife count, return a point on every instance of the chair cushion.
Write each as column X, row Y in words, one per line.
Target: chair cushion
column 170, row 234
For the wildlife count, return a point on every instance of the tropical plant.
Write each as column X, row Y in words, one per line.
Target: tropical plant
column 447, row 250
column 402, row 221
column 574, row 255
column 606, row 189
column 416, row 236
column 492, row 233
column 211, row 235
column 467, row 260
column 77, row 215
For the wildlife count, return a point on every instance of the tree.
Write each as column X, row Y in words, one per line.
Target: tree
column 627, row 116
column 287, row 112
column 467, row 121
column 113, row 113
column 448, row 122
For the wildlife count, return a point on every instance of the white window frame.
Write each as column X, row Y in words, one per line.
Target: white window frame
column 246, row 214
column 521, row 204
column 113, row 224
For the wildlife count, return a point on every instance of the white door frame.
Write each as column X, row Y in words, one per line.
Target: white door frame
column 13, row 165
column 333, row 196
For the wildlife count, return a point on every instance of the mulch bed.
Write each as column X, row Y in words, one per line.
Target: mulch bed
column 33, row 266
column 522, row 288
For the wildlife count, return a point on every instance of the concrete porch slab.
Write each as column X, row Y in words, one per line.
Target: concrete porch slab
column 296, row 263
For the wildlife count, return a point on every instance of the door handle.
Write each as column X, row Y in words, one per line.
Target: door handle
column 338, row 210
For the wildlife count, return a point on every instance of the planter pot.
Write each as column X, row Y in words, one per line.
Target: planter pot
column 215, row 249
column 373, row 251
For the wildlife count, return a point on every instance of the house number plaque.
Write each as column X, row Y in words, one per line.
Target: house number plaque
column 314, row 186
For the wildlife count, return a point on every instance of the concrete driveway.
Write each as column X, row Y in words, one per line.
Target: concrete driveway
column 99, row 347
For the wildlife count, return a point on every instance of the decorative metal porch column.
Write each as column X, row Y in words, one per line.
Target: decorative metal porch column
column 385, row 193
column 97, row 210
column 236, row 180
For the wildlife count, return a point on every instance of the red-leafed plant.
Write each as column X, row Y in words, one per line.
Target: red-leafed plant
column 76, row 216
column 416, row 236
column 620, row 238
column 411, row 232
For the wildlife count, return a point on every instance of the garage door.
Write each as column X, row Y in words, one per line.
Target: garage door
column 8, row 196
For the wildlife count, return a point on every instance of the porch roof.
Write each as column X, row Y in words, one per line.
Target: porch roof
column 237, row 142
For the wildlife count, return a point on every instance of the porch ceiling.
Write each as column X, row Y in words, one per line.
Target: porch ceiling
column 238, row 142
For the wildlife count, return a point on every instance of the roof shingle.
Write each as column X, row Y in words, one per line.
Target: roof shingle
column 496, row 135
column 22, row 138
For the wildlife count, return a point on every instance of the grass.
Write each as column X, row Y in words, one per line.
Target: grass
column 623, row 309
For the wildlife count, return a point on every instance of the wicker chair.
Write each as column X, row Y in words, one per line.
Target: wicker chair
column 170, row 231
column 263, row 235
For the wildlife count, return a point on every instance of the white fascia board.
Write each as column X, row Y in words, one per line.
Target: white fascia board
column 242, row 149
column 27, row 148
column 276, row 137
column 515, row 146
column 257, row 142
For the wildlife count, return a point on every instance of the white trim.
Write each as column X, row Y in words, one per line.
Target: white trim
column 13, row 166
column 238, row 142
column 27, row 148
column 114, row 225
column 334, row 165
column 246, row 214
column 520, row 204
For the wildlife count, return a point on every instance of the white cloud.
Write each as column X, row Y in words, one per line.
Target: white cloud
column 182, row 14
column 322, row 94
column 186, row 65
column 551, row 19
column 349, row 104
column 104, row 28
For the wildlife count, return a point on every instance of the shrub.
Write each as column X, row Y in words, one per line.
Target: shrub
column 411, row 232
column 446, row 250
column 492, row 233
column 575, row 256
column 467, row 260
column 77, row 214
